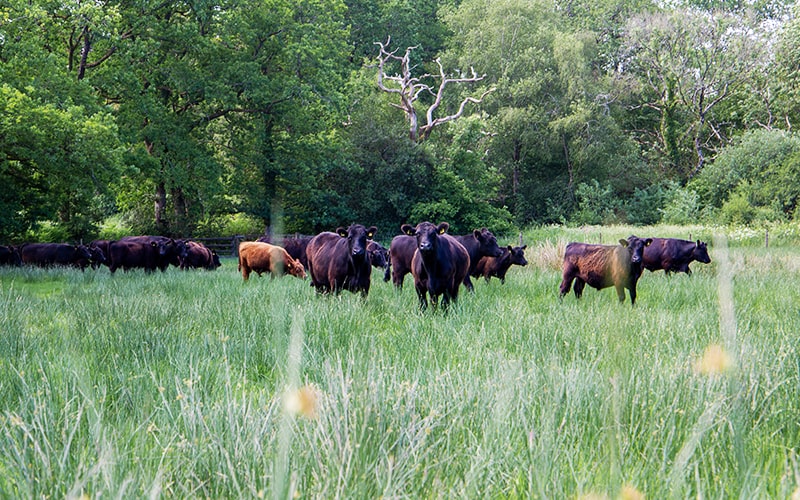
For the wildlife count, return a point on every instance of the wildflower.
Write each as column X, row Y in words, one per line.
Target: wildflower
column 715, row 361
column 630, row 493
column 303, row 401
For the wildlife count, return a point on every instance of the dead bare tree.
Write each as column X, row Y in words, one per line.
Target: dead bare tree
column 410, row 88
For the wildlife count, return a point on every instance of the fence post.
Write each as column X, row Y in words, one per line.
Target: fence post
column 766, row 238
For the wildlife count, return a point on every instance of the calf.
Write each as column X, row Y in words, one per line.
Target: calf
column 498, row 266
column 674, row 255
column 479, row 243
column 54, row 254
column 194, row 255
column 379, row 258
column 439, row 265
column 295, row 245
column 263, row 257
column 339, row 260
column 602, row 266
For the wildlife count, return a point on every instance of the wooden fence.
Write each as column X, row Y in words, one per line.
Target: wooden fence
column 227, row 245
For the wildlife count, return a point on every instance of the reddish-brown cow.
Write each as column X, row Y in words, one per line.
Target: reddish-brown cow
column 255, row 256
column 602, row 266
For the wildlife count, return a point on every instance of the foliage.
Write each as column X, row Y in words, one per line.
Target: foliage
column 762, row 167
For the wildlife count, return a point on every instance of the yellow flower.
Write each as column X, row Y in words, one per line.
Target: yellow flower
column 630, row 493
column 303, row 401
column 715, row 361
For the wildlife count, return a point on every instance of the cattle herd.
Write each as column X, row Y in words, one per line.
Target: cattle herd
column 343, row 259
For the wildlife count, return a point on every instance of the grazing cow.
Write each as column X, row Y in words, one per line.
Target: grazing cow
column 167, row 249
column 602, row 266
column 339, row 260
column 439, row 265
column 194, row 255
column 295, row 245
column 479, row 243
column 102, row 245
column 674, row 255
column 98, row 257
column 260, row 257
column 54, row 254
column 379, row 258
column 401, row 252
column 9, row 256
column 498, row 266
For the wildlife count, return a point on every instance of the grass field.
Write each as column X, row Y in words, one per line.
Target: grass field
column 197, row 384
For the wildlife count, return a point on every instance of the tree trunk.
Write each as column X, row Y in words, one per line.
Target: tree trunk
column 161, row 206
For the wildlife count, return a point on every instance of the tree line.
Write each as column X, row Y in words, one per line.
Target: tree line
column 204, row 117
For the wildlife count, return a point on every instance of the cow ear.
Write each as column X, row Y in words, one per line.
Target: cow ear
column 698, row 243
column 477, row 233
column 648, row 241
column 442, row 227
column 153, row 244
column 371, row 231
column 407, row 229
column 523, row 247
column 623, row 242
column 510, row 248
column 341, row 232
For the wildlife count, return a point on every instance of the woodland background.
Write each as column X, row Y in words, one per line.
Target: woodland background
column 216, row 117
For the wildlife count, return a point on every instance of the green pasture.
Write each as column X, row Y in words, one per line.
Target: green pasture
column 197, row 384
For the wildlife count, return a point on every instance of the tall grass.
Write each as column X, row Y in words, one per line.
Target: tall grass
column 198, row 384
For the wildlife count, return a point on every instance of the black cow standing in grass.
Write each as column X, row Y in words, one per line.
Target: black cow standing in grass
column 54, row 254
column 166, row 250
column 439, row 265
column 194, row 255
column 674, row 255
column 479, row 243
column 603, row 266
column 339, row 261
column 9, row 256
column 499, row 266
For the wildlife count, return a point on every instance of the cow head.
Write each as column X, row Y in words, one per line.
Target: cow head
column 97, row 257
column 487, row 243
column 82, row 252
column 378, row 256
column 295, row 268
column 700, row 252
column 427, row 234
column 635, row 246
column 518, row 255
column 357, row 236
column 215, row 263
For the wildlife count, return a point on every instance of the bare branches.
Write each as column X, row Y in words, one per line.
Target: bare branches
column 409, row 88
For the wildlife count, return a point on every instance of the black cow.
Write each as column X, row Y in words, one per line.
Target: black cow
column 194, row 255
column 498, row 266
column 379, row 258
column 102, row 245
column 167, row 249
column 439, row 265
column 54, row 254
column 401, row 252
column 339, row 260
column 9, row 256
column 96, row 259
column 602, row 266
column 479, row 243
column 674, row 255
column 295, row 246
column 133, row 254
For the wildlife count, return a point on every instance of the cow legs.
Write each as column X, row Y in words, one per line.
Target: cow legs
column 621, row 293
column 422, row 291
column 579, row 284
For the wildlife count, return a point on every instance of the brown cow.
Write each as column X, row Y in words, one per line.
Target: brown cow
column 401, row 252
column 479, row 243
column 602, row 266
column 498, row 266
column 264, row 257
column 439, row 265
column 295, row 245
